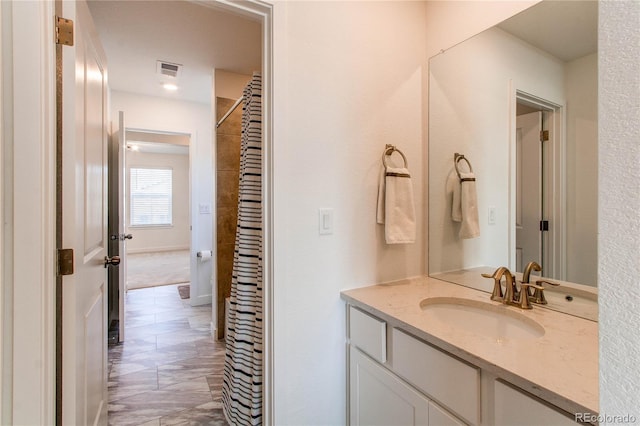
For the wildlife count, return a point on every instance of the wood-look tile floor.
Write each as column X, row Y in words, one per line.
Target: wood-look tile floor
column 169, row 369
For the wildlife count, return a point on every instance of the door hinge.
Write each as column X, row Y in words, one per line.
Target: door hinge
column 64, row 31
column 544, row 135
column 65, row 261
column 544, row 225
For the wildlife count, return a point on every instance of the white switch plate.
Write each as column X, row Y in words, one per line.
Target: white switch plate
column 492, row 215
column 204, row 208
column 325, row 221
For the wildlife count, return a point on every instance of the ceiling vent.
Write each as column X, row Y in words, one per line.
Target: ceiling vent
column 168, row 69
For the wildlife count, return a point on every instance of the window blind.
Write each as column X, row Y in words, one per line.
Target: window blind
column 151, row 196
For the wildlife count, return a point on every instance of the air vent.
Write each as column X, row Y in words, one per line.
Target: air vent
column 168, row 69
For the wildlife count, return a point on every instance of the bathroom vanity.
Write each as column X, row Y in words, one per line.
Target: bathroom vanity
column 428, row 352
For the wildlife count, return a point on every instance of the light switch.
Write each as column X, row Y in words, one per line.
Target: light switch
column 325, row 219
column 492, row 215
column 204, row 208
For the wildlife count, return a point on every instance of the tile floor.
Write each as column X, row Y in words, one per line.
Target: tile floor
column 169, row 369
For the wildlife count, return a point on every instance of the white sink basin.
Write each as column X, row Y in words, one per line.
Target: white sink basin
column 491, row 320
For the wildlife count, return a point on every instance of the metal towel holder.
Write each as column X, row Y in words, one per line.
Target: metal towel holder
column 456, row 159
column 390, row 149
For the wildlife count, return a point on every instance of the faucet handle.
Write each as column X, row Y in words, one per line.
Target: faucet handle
column 523, row 300
column 538, row 293
column 497, row 287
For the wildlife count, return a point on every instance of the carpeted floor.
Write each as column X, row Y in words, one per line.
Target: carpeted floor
column 160, row 268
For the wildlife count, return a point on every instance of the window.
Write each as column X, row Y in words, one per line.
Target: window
column 151, row 197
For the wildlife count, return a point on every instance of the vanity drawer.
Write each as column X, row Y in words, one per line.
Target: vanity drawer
column 453, row 383
column 368, row 333
column 515, row 407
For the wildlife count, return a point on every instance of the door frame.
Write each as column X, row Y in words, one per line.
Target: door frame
column 28, row 240
column 29, row 204
column 554, row 178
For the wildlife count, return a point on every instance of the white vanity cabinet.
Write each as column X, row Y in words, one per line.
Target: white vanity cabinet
column 377, row 395
column 397, row 379
column 513, row 407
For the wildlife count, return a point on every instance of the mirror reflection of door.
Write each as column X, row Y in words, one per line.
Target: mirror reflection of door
column 528, row 189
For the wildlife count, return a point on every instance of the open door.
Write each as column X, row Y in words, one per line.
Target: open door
column 117, row 235
column 528, row 189
column 84, row 219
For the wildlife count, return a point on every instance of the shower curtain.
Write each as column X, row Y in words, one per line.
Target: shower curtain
column 242, row 385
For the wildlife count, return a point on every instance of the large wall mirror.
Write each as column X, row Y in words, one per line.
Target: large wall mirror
column 519, row 101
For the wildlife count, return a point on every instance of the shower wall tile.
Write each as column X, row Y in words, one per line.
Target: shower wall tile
column 227, row 188
column 228, row 145
column 233, row 124
column 227, row 222
column 228, row 152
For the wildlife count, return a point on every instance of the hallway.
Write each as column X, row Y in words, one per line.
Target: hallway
column 169, row 370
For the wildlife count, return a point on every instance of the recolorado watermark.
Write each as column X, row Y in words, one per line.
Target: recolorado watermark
column 604, row 418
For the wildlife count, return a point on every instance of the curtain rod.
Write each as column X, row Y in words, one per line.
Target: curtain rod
column 233, row 108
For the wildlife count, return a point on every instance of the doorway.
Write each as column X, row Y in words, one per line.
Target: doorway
column 539, row 215
column 149, row 216
column 35, row 50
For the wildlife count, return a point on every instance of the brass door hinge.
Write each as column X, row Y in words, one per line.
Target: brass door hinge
column 64, row 31
column 544, row 135
column 65, row 261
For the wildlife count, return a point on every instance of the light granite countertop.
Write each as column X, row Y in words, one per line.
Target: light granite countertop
column 560, row 367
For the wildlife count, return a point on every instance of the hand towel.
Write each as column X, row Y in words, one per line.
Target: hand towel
column 467, row 206
column 456, row 207
column 396, row 208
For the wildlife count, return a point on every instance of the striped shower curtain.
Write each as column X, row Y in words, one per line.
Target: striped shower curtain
column 242, row 386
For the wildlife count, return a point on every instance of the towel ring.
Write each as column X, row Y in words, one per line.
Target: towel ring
column 388, row 150
column 456, row 159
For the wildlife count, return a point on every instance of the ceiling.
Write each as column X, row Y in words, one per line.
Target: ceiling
column 566, row 29
column 136, row 34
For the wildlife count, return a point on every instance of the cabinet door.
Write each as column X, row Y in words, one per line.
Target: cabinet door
column 377, row 397
column 439, row 417
column 513, row 407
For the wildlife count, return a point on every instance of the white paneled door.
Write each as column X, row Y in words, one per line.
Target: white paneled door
column 528, row 189
column 84, row 210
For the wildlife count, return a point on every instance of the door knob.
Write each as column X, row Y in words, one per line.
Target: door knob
column 127, row 236
column 113, row 261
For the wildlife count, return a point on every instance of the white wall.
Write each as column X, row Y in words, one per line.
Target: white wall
column 161, row 114
column 619, row 207
column 176, row 236
column 472, row 87
column 349, row 78
column 582, row 169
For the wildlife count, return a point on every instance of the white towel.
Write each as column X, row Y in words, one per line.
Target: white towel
column 396, row 208
column 465, row 206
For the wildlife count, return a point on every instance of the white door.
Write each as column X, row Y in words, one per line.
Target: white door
column 117, row 224
column 84, row 210
column 528, row 189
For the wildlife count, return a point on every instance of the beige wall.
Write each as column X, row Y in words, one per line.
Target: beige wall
column 176, row 236
column 581, row 84
column 350, row 77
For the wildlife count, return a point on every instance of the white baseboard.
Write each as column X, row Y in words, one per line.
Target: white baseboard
column 156, row 249
column 201, row 300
